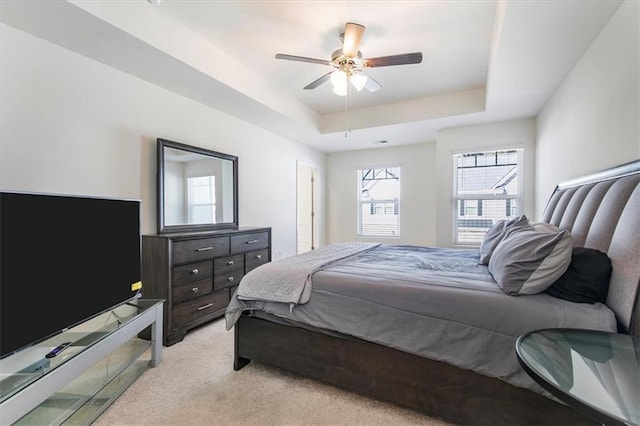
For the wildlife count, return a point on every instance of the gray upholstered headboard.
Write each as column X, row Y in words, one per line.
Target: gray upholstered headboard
column 602, row 211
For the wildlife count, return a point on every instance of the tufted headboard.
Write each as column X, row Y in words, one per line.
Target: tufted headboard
column 602, row 211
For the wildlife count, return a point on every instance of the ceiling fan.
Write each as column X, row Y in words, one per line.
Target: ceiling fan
column 348, row 64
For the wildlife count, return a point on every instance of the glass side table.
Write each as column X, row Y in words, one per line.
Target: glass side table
column 595, row 372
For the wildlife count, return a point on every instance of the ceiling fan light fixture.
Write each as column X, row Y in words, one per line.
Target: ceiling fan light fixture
column 339, row 78
column 349, row 66
column 347, row 62
column 339, row 81
column 340, row 90
column 358, row 81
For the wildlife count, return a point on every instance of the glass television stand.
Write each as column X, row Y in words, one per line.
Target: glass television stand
column 105, row 357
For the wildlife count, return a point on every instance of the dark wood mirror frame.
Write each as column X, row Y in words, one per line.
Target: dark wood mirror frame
column 163, row 228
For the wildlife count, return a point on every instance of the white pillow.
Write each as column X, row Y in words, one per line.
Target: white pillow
column 530, row 259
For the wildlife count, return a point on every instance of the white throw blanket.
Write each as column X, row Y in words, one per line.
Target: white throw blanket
column 288, row 280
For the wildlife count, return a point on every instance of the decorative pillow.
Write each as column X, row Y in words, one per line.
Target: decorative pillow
column 495, row 234
column 587, row 278
column 531, row 258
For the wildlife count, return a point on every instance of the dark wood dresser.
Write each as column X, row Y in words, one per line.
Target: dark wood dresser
column 197, row 272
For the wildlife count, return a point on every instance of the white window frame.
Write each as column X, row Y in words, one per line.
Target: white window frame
column 192, row 205
column 384, row 202
column 519, row 197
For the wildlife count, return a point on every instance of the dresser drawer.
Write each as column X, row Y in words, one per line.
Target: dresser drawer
column 196, row 309
column 191, row 272
column 224, row 265
column 229, row 279
column 256, row 258
column 249, row 242
column 181, row 293
column 199, row 249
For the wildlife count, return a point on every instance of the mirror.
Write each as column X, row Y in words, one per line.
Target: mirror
column 197, row 188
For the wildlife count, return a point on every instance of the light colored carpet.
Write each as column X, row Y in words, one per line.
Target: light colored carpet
column 195, row 385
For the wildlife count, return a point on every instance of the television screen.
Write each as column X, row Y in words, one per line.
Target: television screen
column 63, row 259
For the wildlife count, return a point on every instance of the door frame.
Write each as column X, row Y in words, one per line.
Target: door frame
column 312, row 187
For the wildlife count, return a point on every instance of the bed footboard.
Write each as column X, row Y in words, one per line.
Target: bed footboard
column 432, row 387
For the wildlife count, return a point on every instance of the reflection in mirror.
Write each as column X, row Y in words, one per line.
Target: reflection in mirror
column 197, row 188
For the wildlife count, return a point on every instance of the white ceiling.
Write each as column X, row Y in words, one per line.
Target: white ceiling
column 454, row 37
column 482, row 60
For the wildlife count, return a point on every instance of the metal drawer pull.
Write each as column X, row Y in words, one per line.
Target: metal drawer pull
column 204, row 248
column 230, row 278
column 230, row 262
column 252, row 241
column 195, row 289
column 208, row 305
column 258, row 256
column 195, row 271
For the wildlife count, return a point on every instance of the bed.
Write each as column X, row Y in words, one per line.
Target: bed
column 434, row 329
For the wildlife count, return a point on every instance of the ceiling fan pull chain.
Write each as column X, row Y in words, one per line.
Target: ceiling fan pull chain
column 346, row 110
column 349, row 110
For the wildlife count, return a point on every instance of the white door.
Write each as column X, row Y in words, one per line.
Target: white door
column 306, row 227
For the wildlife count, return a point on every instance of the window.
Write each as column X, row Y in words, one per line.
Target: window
column 379, row 202
column 488, row 188
column 201, row 199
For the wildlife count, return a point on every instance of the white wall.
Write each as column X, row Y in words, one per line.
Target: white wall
column 592, row 122
column 485, row 137
column 75, row 126
column 417, row 187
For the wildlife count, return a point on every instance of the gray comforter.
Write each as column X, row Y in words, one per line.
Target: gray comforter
column 432, row 302
column 289, row 280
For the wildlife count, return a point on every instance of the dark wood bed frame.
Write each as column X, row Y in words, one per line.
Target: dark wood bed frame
column 442, row 390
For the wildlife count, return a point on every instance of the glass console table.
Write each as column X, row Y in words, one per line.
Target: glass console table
column 76, row 386
column 597, row 373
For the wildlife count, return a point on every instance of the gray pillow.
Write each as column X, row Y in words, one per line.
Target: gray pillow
column 495, row 234
column 530, row 259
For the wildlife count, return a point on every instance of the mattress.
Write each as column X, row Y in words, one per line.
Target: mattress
column 437, row 303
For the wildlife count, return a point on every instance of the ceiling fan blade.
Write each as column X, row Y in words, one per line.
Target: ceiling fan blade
column 386, row 61
column 303, row 59
column 319, row 81
column 352, row 38
column 371, row 84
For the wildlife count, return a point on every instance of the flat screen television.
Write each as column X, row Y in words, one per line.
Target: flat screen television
column 63, row 259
